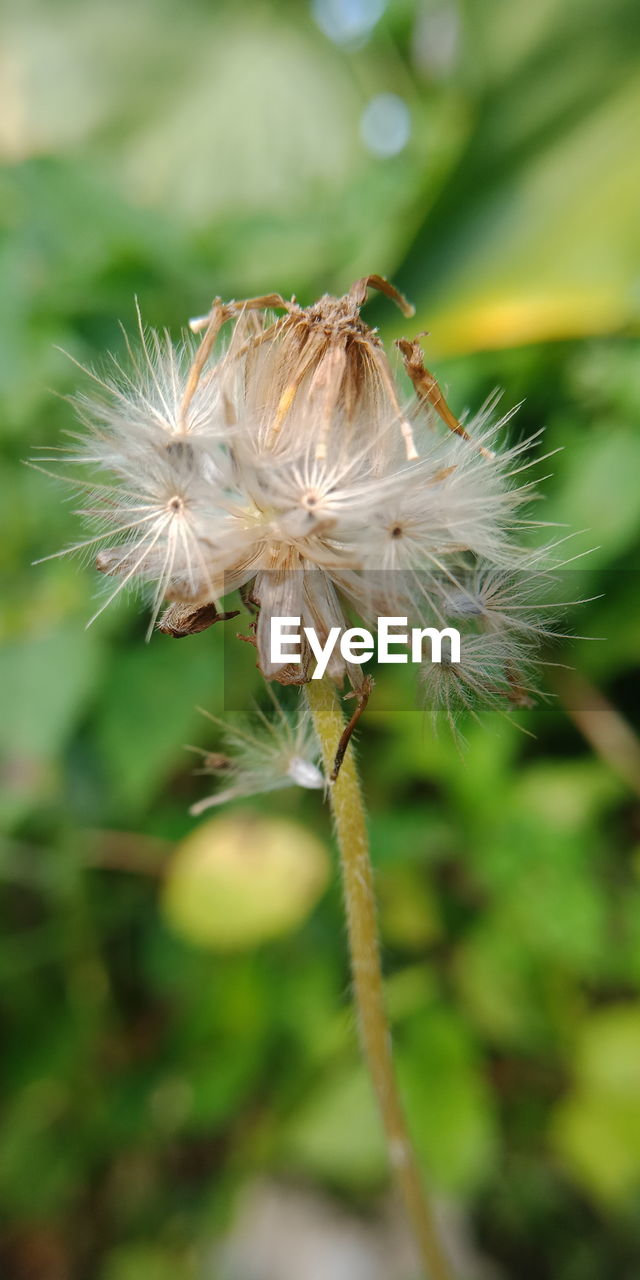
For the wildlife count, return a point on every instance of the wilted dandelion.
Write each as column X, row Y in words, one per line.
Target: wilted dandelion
column 284, row 463
column 287, row 466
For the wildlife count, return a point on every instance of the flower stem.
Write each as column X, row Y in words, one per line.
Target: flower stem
column 351, row 831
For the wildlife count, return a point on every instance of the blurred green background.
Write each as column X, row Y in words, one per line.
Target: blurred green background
column 171, row 1108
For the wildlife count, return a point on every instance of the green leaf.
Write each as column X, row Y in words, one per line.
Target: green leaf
column 502, row 987
column 596, row 1130
column 608, row 1052
column 449, row 1104
column 47, row 680
column 149, row 711
column 145, row 1261
column 597, row 1137
column 599, row 492
column 337, row 1133
column 537, row 233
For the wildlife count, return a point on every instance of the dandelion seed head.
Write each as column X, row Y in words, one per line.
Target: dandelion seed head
column 279, row 458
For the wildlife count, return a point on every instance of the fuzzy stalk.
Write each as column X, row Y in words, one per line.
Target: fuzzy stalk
column 351, row 831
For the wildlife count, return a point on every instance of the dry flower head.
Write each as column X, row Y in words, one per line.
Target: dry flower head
column 279, row 458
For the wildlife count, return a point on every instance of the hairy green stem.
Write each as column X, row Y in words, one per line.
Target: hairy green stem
column 351, row 831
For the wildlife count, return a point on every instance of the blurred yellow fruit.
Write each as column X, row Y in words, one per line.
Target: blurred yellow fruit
column 242, row 879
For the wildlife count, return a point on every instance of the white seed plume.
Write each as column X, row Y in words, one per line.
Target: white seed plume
column 263, row 754
column 285, row 465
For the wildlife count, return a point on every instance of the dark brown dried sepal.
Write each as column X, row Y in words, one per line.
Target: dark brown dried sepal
column 186, row 620
column 428, row 389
